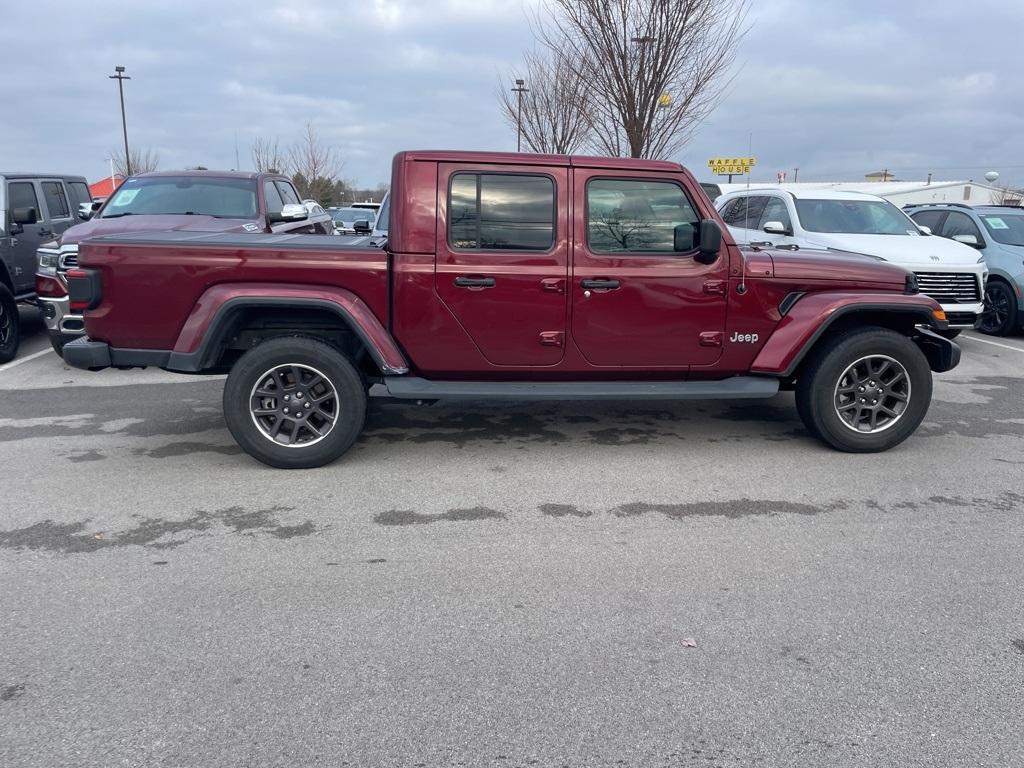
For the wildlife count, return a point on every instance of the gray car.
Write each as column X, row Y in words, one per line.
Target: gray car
column 36, row 208
column 998, row 232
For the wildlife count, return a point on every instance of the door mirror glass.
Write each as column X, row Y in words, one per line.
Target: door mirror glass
column 684, row 237
column 970, row 240
column 24, row 216
column 290, row 212
column 776, row 228
column 710, row 241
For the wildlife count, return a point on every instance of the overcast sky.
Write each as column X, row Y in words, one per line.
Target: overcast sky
column 836, row 88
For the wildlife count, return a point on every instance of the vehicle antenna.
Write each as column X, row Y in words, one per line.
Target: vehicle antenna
column 742, row 287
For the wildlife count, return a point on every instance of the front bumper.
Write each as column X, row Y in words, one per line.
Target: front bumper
column 58, row 317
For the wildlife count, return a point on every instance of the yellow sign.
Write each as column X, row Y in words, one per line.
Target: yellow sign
column 731, row 165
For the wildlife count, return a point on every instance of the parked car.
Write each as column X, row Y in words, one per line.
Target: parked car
column 35, row 207
column 486, row 262
column 998, row 233
column 192, row 201
column 345, row 220
column 951, row 273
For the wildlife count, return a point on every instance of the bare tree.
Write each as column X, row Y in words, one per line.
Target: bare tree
column 143, row 161
column 654, row 68
column 267, row 156
column 555, row 110
column 314, row 166
column 1007, row 196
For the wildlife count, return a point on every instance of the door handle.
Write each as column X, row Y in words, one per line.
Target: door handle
column 464, row 281
column 599, row 284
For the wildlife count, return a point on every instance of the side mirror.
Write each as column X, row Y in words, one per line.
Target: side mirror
column 710, row 241
column 290, row 212
column 777, row 228
column 971, row 240
column 924, row 230
column 24, row 216
column 361, row 227
column 684, row 237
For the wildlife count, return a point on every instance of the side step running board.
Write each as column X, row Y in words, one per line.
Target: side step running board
column 414, row 388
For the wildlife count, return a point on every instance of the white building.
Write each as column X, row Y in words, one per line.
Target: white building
column 898, row 192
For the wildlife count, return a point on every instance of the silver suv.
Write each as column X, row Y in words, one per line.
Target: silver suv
column 998, row 232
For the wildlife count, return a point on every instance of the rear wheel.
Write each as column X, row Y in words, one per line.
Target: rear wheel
column 865, row 391
column 294, row 403
column 10, row 326
column 1000, row 315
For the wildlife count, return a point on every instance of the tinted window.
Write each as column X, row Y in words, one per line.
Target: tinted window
column 960, row 224
column 382, row 216
column 22, row 194
column 80, row 191
column 228, row 198
column 930, row 219
column 635, row 216
column 501, row 212
column 288, row 193
column 745, row 212
column 775, row 210
column 56, row 200
column 274, row 201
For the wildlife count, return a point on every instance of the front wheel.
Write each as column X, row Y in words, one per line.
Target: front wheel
column 10, row 326
column 1000, row 315
column 294, row 403
column 865, row 391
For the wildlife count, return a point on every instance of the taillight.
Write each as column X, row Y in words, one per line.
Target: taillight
column 83, row 289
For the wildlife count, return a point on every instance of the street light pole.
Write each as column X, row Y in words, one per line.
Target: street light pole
column 120, row 76
column 519, row 90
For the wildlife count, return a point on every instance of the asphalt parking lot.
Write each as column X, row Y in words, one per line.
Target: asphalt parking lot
column 574, row 585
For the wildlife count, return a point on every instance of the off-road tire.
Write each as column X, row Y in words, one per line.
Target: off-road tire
column 10, row 326
column 829, row 372
column 246, row 411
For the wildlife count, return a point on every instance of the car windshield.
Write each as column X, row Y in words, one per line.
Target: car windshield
column 382, row 216
column 223, row 198
column 1005, row 228
column 854, row 217
column 352, row 215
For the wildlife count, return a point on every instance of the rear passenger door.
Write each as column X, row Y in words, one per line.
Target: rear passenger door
column 502, row 258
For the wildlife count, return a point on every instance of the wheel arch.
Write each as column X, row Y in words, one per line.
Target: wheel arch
column 803, row 332
column 213, row 325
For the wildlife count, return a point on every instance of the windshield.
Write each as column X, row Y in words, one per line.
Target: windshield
column 854, row 217
column 352, row 215
column 185, row 195
column 382, row 215
column 1005, row 228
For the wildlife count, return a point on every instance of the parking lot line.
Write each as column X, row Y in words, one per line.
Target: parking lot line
column 972, row 337
column 25, row 359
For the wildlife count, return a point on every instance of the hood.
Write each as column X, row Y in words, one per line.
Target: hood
column 844, row 268
column 906, row 250
column 154, row 223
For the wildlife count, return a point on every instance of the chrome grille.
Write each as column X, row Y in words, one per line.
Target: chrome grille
column 69, row 260
column 950, row 287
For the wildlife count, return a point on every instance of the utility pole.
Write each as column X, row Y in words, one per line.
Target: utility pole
column 796, row 173
column 519, row 90
column 120, row 76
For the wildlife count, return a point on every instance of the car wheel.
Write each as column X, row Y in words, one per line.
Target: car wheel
column 1000, row 315
column 10, row 326
column 294, row 403
column 865, row 391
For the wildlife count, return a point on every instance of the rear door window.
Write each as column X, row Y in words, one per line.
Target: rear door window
column 56, row 200
column 501, row 212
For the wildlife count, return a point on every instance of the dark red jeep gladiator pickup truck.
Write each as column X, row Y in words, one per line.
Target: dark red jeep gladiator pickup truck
column 514, row 276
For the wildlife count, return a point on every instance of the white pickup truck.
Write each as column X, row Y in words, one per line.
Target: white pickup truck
column 952, row 273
